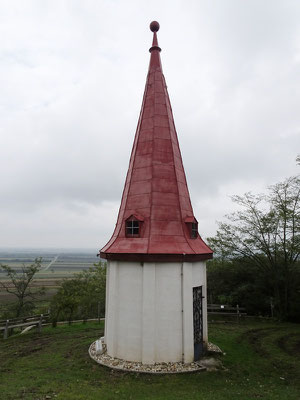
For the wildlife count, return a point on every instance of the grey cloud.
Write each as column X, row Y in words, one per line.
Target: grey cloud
column 72, row 76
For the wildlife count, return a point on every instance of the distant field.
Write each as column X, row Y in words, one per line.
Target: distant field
column 56, row 265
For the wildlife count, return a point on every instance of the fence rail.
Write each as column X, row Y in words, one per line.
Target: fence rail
column 24, row 319
column 36, row 320
column 223, row 309
column 39, row 320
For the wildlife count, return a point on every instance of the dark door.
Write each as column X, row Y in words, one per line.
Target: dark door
column 198, row 322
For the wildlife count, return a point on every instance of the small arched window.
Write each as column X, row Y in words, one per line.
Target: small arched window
column 133, row 226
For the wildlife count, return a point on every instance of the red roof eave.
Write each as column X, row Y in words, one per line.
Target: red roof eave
column 142, row 257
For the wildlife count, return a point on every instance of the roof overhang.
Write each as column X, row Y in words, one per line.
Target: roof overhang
column 156, row 257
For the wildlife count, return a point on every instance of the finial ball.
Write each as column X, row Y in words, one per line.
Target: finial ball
column 154, row 26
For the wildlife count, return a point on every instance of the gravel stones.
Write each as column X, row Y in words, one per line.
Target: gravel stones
column 213, row 348
column 157, row 368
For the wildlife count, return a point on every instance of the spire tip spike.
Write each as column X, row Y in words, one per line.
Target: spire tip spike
column 154, row 26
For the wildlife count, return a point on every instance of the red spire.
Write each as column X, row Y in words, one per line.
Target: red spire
column 155, row 199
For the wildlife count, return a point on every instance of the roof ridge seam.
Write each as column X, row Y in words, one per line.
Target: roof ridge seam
column 151, row 193
column 168, row 101
column 175, row 169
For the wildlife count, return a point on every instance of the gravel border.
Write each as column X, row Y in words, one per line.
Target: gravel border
column 158, row 368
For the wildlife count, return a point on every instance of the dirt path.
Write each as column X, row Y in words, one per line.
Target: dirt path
column 52, row 262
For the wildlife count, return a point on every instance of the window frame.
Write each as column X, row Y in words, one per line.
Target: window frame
column 194, row 230
column 192, row 226
column 133, row 227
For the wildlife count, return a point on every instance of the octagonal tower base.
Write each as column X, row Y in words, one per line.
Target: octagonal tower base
column 150, row 313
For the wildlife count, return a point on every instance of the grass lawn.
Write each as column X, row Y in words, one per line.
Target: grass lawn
column 262, row 361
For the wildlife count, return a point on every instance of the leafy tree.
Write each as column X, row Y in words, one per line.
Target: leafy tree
column 265, row 233
column 81, row 295
column 19, row 284
column 232, row 282
column 93, row 293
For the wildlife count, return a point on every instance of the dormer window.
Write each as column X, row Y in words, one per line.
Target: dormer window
column 192, row 225
column 133, row 226
column 194, row 230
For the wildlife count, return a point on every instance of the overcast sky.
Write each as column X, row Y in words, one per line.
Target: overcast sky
column 72, row 76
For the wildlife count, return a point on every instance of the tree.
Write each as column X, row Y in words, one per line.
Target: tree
column 66, row 300
column 232, row 282
column 93, row 290
column 81, row 295
column 266, row 233
column 19, row 284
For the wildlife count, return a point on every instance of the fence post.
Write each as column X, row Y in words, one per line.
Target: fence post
column 272, row 307
column 5, row 336
column 98, row 312
column 238, row 313
column 40, row 323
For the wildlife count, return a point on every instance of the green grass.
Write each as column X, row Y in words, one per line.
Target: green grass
column 261, row 362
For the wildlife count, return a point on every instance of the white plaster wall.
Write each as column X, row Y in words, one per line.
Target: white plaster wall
column 130, row 293
column 149, row 310
column 168, row 316
column 187, row 301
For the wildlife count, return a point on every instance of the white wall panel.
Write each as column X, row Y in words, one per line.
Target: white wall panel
column 149, row 310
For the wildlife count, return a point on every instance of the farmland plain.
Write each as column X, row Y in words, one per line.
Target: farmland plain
column 57, row 264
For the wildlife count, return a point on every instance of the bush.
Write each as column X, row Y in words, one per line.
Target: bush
column 81, row 297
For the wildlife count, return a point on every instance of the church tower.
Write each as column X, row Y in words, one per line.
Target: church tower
column 156, row 270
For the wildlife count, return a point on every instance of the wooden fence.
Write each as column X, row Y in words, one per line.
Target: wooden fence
column 225, row 310
column 36, row 320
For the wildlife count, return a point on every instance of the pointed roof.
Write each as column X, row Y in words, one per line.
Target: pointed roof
column 156, row 191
